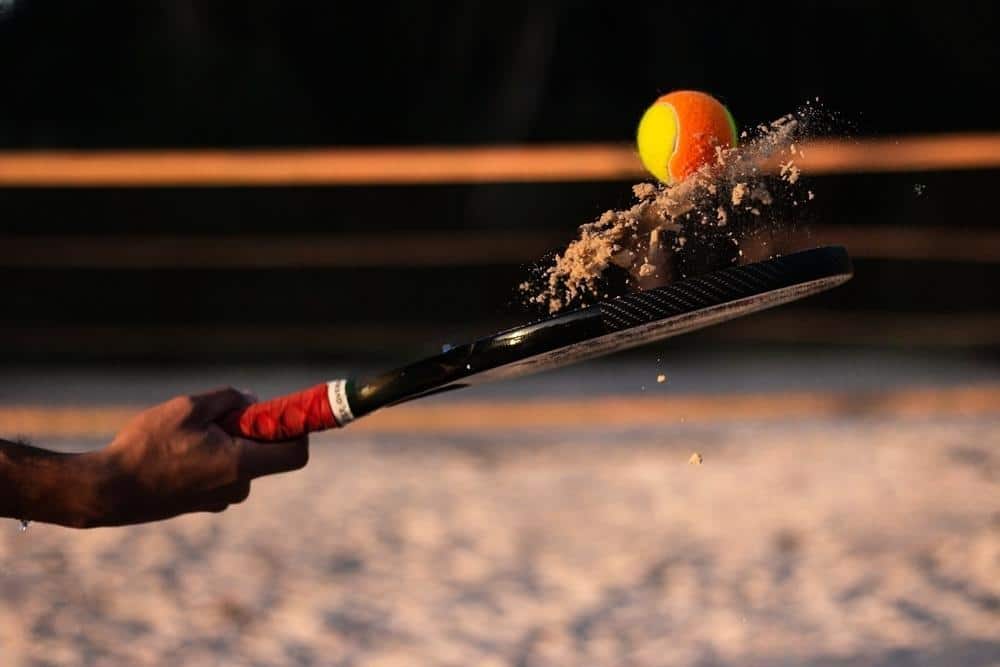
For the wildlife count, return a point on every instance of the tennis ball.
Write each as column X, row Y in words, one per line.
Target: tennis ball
column 680, row 131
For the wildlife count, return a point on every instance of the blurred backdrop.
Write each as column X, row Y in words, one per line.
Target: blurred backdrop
column 292, row 270
column 270, row 193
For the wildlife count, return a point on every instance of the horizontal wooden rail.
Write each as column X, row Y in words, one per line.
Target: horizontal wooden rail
column 101, row 421
column 332, row 166
column 431, row 249
column 443, row 165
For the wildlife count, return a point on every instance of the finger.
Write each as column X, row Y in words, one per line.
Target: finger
column 143, row 516
column 251, row 395
column 211, row 406
column 159, row 513
column 214, row 508
column 238, row 492
column 267, row 458
column 216, row 500
column 230, row 494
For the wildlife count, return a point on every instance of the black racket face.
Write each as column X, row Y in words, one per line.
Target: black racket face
column 612, row 325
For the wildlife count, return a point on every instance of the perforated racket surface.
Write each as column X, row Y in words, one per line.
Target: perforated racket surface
column 611, row 325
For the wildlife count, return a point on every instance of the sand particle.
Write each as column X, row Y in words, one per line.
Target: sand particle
column 647, row 244
column 739, row 192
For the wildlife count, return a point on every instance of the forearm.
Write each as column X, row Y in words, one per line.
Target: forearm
column 40, row 485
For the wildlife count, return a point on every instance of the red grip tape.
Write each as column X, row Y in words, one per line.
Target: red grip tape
column 286, row 417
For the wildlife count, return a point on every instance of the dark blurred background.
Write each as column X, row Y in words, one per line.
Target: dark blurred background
column 845, row 512
column 264, row 73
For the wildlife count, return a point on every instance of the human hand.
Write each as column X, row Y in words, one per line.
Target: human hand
column 169, row 460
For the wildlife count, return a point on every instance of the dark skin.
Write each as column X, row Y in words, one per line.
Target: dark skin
column 170, row 460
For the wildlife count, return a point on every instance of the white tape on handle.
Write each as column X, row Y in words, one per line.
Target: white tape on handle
column 336, row 391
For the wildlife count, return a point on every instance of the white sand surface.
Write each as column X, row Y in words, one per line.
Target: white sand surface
column 825, row 542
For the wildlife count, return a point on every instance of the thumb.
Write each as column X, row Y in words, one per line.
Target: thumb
column 209, row 407
column 267, row 458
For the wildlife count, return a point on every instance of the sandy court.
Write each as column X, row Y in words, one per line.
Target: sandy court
column 831, row 540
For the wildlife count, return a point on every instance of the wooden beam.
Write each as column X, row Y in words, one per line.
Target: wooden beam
column 433, row 249
column 102, row 421
column 413, row 165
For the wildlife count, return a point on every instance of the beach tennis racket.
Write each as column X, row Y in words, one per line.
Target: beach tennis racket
column 566, row 338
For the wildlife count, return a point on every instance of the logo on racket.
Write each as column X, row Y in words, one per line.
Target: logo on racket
column 337, row 394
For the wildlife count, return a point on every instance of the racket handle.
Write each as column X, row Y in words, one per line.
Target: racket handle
column 288, row 417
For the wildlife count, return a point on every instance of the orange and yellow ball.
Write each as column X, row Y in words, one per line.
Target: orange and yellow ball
column 681, row 131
